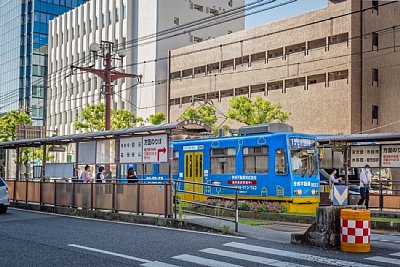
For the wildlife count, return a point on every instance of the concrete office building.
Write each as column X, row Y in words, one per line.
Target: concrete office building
column 23, row 53
column 315, row 65
column 123, row 22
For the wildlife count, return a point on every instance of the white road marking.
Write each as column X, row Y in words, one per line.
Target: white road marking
column 110, row 253
column 384, row 260
column 204, row 261
column 250, row 258
column 396, row 254
column 157, row 264
column 128, row 223
column 295, row 255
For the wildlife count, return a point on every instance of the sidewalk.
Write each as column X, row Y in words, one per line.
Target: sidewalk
column 272, row 231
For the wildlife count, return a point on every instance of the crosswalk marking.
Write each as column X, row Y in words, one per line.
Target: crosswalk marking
column 396, row 254
column 251, row 258
column 384, row 260
column 157, row 264
column 204, row 261
column 295, row 255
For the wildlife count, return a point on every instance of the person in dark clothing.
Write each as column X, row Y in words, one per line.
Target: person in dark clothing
column 100, row 175
column 132, row 178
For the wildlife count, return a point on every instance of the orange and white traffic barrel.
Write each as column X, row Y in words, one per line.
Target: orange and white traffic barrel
column 355, row 230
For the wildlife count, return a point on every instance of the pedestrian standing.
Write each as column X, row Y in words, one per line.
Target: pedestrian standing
column 100, row 176
column 365, row 184
column 85, row 176
column 132, row 178
column 332, row 181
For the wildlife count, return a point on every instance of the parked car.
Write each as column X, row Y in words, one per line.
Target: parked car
column 4, row 197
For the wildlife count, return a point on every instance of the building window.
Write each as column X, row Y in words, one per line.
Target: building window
column 198, row 7
column 375, row 76
column 109, row 17
column 375, row 41
column 124, row 10
column 213, row 11
column 176, row 21
column 84, row 28
column 223, row 161
column 255, row 159
column 90, row 26
column 375, row 114
column 116, row 14
column 230, row 3
column 197, row 39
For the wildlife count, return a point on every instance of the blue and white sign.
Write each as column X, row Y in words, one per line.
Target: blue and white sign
column 301, row 143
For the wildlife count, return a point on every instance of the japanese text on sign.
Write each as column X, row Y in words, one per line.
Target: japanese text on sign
column 363, row 155
column 391, row 156
column 155, row 148
column 131, row 150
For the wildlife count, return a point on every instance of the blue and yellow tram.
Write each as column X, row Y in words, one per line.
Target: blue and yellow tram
column 280, row 166
column 262, row 163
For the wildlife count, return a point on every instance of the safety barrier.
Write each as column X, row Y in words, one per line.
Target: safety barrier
column 355, row 230
column 136, row 198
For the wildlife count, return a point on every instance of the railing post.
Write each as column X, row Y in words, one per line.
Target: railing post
column 73, row 194
column 15, row 191
column 381, row 195
column 113, row 197
column 26, row 190
column 138, row 199
column 55, row 193
column 237, row 210
column 175, row 200
column 166, row 200
column 40, row 192
column 91, row 196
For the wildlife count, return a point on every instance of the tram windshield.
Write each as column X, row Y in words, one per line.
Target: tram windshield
column 303, row 156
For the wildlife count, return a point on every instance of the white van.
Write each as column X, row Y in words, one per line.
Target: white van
column 4, row 197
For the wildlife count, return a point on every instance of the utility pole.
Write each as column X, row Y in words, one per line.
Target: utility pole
column 108, row 75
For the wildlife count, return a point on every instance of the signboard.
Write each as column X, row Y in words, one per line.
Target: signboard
column 57, row 149
column 391, row 156
column 155, row 148
column 152, row 148
column 29, row 132
column 302, row 143
column 131, row 150
column 362, row 155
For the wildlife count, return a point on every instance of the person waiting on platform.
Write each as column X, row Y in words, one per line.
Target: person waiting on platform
column 332, row 181
column 365, row 183
column 100, row 176
column 132, row 178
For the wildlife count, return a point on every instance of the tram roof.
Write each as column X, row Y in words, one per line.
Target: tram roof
column 375, row 137
column 183, row 127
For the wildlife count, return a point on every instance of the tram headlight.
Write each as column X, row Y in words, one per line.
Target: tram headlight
column 298, row 192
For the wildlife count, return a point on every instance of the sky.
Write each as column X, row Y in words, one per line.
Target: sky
column 290, row 10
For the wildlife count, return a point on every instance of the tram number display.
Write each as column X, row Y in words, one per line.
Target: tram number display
column 301, row 143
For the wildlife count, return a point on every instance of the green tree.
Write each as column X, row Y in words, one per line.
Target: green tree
column 122, row 119
column 91, row 119
column 9, row 123
column 254, row 112
column 205, row 113
column 156, row 119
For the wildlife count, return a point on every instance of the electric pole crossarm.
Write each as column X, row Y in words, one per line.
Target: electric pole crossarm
column 100, row 73
column 115, row 75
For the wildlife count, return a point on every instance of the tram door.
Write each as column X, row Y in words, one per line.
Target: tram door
column 193, row 173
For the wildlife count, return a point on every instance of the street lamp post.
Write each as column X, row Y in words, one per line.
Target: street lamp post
column 108, row 75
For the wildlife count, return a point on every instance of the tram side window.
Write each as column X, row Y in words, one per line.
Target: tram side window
column 175, row 162
column 223, row 161
column 255, row 159
column 148, row 167
column 280, row 162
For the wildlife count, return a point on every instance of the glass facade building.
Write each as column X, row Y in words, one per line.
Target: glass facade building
column 23, row 53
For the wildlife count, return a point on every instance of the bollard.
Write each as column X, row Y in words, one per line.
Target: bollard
column 355, row 230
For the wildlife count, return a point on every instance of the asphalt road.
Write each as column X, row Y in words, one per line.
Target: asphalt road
column 38, row 239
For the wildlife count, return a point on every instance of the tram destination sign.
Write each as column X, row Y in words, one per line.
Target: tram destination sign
column 152, row 148
column 362, row 155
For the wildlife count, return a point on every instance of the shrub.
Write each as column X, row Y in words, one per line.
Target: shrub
column 244, row 206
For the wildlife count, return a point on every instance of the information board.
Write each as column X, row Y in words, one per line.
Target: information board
column 131, row 150
column 390, row 156
column 362, row 155
column 155, row 148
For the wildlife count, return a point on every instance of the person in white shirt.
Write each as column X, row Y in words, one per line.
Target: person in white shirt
column 365, row 181
column 85, row 176
column 332, row 181
column 296, row 163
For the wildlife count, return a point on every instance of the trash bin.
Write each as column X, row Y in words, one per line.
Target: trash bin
column 355, row 230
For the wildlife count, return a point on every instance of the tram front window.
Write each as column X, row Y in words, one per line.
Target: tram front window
column 303, row 157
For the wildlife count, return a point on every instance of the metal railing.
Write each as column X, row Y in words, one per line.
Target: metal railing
column 139, row 198
column 182, row 195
